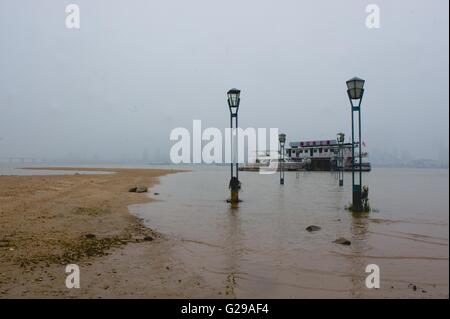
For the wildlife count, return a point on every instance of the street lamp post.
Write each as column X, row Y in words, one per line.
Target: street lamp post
column 233, row 104
column 355, row 91
column 340, row 158
column 282, row 140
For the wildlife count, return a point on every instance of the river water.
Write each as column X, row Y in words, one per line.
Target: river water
column 262, row 249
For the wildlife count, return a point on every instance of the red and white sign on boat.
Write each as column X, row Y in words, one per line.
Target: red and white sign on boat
column 313, row 143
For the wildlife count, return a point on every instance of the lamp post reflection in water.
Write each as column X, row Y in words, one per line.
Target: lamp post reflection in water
column 234, row 251
column 359, row 230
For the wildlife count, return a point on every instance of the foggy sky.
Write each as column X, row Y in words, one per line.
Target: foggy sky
column 135, row 70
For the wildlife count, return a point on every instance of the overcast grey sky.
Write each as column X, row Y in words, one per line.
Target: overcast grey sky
column 137, row 69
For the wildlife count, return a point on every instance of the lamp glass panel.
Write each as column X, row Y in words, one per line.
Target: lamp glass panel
column 355, row 93
column 350, row 84
column 359, row 84
column 233, row 98
column 355, row 83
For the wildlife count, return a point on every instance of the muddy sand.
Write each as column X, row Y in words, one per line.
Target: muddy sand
column 48, row 222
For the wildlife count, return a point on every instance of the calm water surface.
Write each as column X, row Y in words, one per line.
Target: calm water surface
column 262, row 248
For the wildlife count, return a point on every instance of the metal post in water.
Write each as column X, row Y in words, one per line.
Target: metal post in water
column 355, row 91
column 234, row 185
column 340, row 158
column 282, row 140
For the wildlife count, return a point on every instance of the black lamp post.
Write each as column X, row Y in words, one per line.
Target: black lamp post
column 233, row 104
column 282, row 140
column 355, row 91
column 340, row 158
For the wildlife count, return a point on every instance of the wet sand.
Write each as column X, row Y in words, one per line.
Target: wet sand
column 47, row 222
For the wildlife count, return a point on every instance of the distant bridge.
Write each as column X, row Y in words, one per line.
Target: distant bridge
column 21, row 159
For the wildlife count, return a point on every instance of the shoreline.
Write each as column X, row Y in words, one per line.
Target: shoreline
column 49, row 221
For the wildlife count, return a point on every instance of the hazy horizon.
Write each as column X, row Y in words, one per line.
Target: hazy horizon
column 116, row 87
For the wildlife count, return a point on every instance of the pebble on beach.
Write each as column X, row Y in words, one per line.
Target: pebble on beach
column 312, row 228
column 343, row 241
column 138, row 189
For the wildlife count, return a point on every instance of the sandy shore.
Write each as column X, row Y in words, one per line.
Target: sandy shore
column 47, row 222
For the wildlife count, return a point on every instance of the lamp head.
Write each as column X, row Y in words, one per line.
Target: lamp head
column 234, row 100
column 355, row 88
